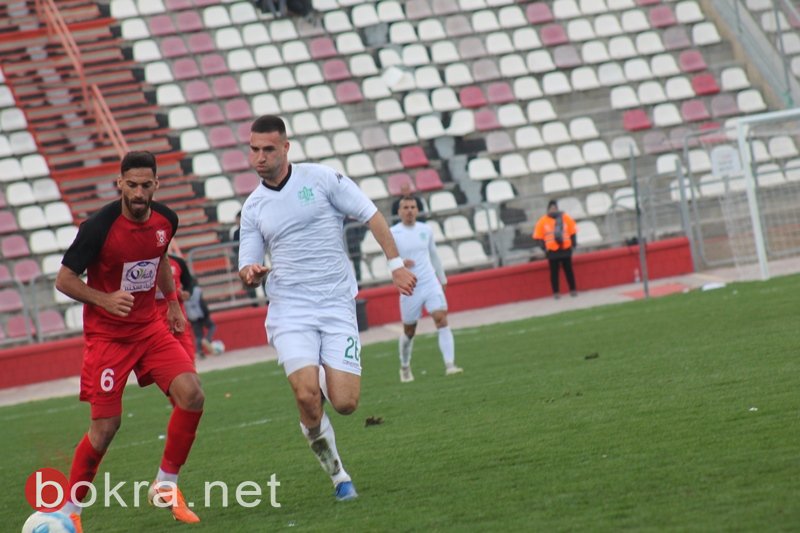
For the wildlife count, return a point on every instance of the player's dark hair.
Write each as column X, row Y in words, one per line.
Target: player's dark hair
column 552, row 203
column 409, row 198
column 268, row 124
column 138, row 160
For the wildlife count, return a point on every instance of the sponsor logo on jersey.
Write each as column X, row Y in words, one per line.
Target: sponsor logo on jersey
column 161, row 237
column 306, row 195
column 139, row 276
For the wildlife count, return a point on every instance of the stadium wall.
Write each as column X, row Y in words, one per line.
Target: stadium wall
column 243, row 328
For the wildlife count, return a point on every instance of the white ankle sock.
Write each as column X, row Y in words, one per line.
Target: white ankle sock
column 70, row 508
column 166, row 476
column 406, row 345
column 323, row 444
column 447, row 345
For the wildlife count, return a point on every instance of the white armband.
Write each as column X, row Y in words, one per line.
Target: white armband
column 395, row 263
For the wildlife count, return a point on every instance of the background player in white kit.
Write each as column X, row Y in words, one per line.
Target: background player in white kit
column 297, row 215
column 415, row 242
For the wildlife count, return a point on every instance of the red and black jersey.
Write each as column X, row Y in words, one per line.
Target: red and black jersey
column 180, row 274
column 119, row 254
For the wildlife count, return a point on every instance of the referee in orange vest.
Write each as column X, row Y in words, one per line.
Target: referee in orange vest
column 556, row 233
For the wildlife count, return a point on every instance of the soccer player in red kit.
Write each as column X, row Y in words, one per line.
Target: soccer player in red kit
column 183, row 286
column 123, row 249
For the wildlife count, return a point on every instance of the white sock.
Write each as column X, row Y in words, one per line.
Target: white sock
column 166, row 476
column 70, row 508
column 406, row 345
column 323, row 382
column 323, row 443
column 447, row 345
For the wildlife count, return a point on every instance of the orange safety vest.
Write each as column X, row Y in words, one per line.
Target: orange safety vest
column 545, row 230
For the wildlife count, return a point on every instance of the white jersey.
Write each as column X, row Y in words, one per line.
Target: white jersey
column 300, row 226
column 416, row 243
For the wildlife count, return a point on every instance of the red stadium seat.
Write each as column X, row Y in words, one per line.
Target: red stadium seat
column 245, row 183
column 19, row 326
column 14, row 246
column 323, row 48
column 335, row 70
column 348, row 92
column 177, row 5
column 185, row 69
column 188, row 21
column 395, row 183
column 172, row 47
column 472, row 97
column 662, row 17
column 200, row 43
column 413, row 157
column 51, row 322
column 428, row 180
column 26, row 270
column 213, row 64
column 208, row 114
column 8, row 222
column 243, row 132
column 704, row 84
column 197, row 91
column 692, row 61
column 538, row 13
column 238, row 109
column 636, row 120
column 553, row 35
column 486, row 120
column 5, row 275
column 10, row 301
column 694, row 111
column 500, row 92
column 222, row 137
column 161, row 25
column 225, row 87
column 234, row 161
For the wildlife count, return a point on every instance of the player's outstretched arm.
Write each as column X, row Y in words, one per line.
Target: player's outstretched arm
column 118, row 303
column 402, row 277
column 252, row 275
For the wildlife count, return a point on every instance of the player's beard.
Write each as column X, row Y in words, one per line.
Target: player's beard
column 138, row 210
column 272, row 173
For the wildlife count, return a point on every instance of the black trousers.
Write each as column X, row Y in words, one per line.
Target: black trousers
column 565, row 262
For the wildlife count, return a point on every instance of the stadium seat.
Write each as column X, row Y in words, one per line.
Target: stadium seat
column 579, row 30
column 31, row 217
column 538, row 13
column 528, row 137
column 513, row 166
column 374, row 138
column 782, row 147
column 20, row 193
column 665, row 115
column 486, row 120
column 482, row 168
column 374, row 188
column 540, row 111
column 498, row 142
column 8, row 222
column 428, row 180
column 442, row 201
column 553, row 35
column 245, row 183
column 584, row 178
column 556, row 83
column 704, row 34
column 26, row 270
column 588, row 232
column 679, row 88
column 695, row 110
column 413, row 157
column 20, row 326
column 750, row 101
column 447, row 256
column 457, row 227
column 569, row 156
column 498, row 191
column 734, row 79
column 704, row 84
column 57, row 214
column 218, row 187
column 612, row 173
column 692, row 61
column 486, row 220
column 34, row 166
column 359, row 166
column 555, row 133
column 462, row 122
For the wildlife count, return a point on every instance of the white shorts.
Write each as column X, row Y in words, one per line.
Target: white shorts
column 430, row 296
column 304, row 335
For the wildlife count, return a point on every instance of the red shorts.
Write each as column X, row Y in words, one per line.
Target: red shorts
column 158, row 358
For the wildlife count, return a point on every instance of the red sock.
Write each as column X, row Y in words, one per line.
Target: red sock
column 84, row 466
column 181, row 431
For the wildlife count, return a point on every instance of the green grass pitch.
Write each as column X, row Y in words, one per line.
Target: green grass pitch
column 686, row 420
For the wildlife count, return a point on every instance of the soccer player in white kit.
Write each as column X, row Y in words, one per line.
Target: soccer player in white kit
column 415, row 242
column 297, row 214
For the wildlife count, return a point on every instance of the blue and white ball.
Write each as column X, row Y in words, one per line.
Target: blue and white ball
column 48, row 523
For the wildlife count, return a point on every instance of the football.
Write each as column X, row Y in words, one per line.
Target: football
column 48, row 523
